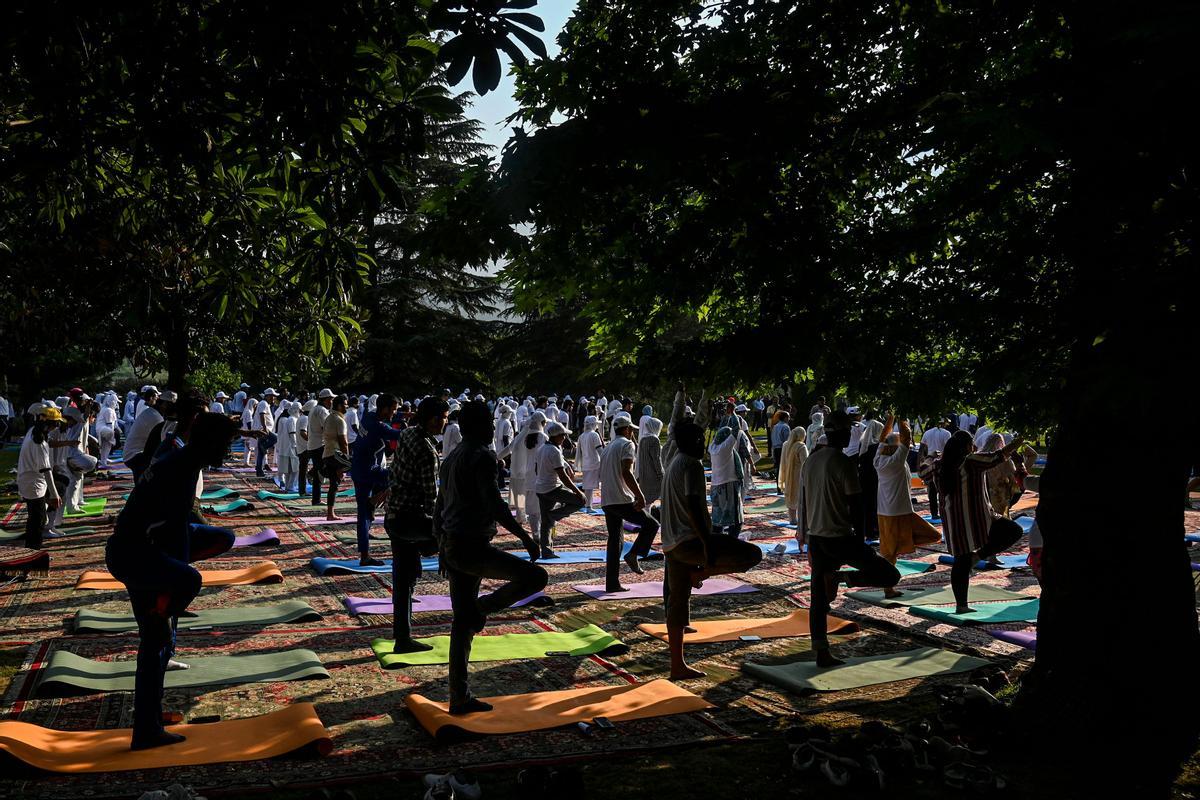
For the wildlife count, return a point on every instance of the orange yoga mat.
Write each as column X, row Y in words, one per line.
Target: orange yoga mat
column 729, row 630
column 1028, row 500
column 262, row 572
column 270, row 735
column 519, row 713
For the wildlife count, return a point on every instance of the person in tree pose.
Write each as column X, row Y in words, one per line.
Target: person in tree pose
column 901, row 529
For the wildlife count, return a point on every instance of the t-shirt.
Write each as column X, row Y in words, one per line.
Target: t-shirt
column 139, row 432
column 351, row 424
column 316, row 427
column 895, row 481
column 549, row 459
column 34, row 457
column 285, row 429
column 106, row 419
column 935, row 440
column 264, row 417
column 335, row 426
column 856, row 434
column 829, row 478
column 613, row 490
column 780, row 434
column 589, row 446
column 684, row 477
column 301, row 425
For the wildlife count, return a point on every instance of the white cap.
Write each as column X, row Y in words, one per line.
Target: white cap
column 741, row 407
column 556, row 429
column 621, row 421
column 852, row 410
column 149, row 387
column 309, row 405
column 244, row 386
column 324, row 393
column 168, row 397
column 270, row 393
column 220, row 396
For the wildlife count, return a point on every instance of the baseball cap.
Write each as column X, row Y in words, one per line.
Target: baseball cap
column 556, row 429
column 270, row 393
column 168, row 397
column 324, row 393
column 221, row 396
column 621, row 421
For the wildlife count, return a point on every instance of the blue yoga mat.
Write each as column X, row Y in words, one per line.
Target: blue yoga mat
column 791, row 548
column 1191, row 537
column 326, row 565
column 1017, row 561
column 931, row 520
column 782, row 523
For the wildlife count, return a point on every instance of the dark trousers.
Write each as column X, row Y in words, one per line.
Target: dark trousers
column 36, row 521
column 302, row 484
column 264, row 446
column 828, row 554
column 314, row 456
column 137, row 465
column 614, row 517
column 777, row 455
column 375, row 481
column 1003, row 534
column 406, row 571
column 334, row 473
column 555, row 505
column 931, row 487
column 160, row 588
column 726, row 555
column 467, row 564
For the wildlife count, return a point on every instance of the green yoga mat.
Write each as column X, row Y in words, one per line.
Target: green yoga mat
column 219, row 494
column 1009, row 611
column 91, row 620
column 779, row 505
column 69, row 674
column 90, row 508
column 226, row 508
column 905, row 569
column 804, row 677
column 937, row 596
column 583, row 642
column 79, row 530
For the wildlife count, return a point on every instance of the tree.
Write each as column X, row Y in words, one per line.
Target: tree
column 928, row 203
column 210, row 157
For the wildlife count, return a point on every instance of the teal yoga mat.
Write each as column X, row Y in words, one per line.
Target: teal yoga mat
column 1010, row 611
column 936, row 595
column 219, row 494
column 69, row 674
column 230, row 507
column 804, row 677
column 90, row 620
column 586, row 641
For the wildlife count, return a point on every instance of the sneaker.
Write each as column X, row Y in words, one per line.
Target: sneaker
column 462, row 784
column 174, row 665
column 51, row 533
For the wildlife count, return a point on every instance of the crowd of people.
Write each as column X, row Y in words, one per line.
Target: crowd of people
column 447, row 472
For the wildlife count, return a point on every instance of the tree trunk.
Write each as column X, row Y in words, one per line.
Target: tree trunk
column 1112, row 688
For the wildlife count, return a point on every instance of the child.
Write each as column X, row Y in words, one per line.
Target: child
column 589, row 448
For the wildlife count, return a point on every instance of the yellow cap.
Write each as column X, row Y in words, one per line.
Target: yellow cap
column 52, row 414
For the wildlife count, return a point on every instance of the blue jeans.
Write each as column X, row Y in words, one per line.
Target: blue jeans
column 364, row 487
column 160, row 588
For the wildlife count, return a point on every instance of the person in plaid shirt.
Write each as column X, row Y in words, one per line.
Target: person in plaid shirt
column 412, row 494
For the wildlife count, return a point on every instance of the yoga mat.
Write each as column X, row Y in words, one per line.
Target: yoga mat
column 1026, row 639
column 267, row 536
column 1191, row 537
column 69, row 674
column 537, row 711
column 78, row 530
column 425, row 602
column 219, row 494
column 580, row 556
column 1010, row 611
column 323, row 521
column 284, row 731
column 92, row 507
column 931, row 520
column 1018, row 561
column 235, row 469
column 231, row 506
column 790, row 548
column 730, row 630
column 654, row 589
column 936, row 596
column 782, row 523
column 262, row 572
column 586, row 641
column 804, row 677
column 23, row 560
column 263, row 494
column 90, row 620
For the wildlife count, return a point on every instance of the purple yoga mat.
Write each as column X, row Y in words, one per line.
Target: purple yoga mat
column 1022, row 638
column 421, row 602
column 235, row 469
column 649, row 589
column 265, row 536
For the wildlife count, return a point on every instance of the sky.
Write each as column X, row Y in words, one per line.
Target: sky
column 494, row 107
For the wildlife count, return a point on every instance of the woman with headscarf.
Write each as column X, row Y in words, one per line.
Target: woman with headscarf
column 974, row 531
column 648, row 467
column 247, row 423
column 647, row 414
column 816, row 429
column 589, row 446
column 868, row 478
column 286, row 456
column 1001, row 481
column 791, row 465
column 901, row 529
column 127, row 413
column 106, row 428
column 520, row 486
column 727, row 472
column 748, row 452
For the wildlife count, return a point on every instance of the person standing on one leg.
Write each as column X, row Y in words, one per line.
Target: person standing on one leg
column 468, row 511
column 150, row 551
column 316, row 440
column 831, row 520
column 622, row 500
column 557, row 494
column 901, row 529
column 336, row 452
column 693, row 553
column 370, row 479
column 412, row 498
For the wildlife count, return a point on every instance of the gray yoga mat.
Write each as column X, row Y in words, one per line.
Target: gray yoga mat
column 90, row 620
column 804, row 677
column 69, row 674
column 937, row 596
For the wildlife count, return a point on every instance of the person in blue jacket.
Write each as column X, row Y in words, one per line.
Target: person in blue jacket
column 369, row 477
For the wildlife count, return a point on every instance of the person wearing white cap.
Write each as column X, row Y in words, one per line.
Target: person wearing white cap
column 316, row 439
column 622, row 500
column 136, row 437
column 522, row 414
column 264, row 420
column 76, row 458
column 218, row 404
column 588, row 448
column 35, row 475
column 558, row 497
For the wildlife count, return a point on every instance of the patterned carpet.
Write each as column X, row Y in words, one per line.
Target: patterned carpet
column 362, row 705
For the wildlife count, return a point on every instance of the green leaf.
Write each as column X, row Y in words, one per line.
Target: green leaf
column 528, row 20
column 486, row 75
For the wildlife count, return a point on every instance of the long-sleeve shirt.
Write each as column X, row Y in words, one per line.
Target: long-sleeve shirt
column 370, row 444
column 470, row 504
column 412, row 476
column 159, row 508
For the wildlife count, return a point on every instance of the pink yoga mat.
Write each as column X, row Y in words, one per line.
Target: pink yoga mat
column 421, row 602
column 235, row 469
column 647, row 589
column 265, row 536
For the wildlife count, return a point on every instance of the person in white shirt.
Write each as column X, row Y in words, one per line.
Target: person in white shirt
column 966, row 421
column 35, row 478
column 6, row 415
column 76, row 459
column 302, row 452
column 144, row 401
column 316, row 439
column 354, row 404
column 816, row 429
column 218, row 404
column 983, row 432
column 136, row 439
column 588, row 448
column 334, row 434
column 264, row 420
column 901, row 529
column 248, row 424
column 523, row 451
column 558, row 497
column 857, row 428
column 622, row 500
column 504, row 432
column 452, row 435
column 238, row 405
column 933, row 442
column 127, row 412
column 106, row 429
column 285, row 447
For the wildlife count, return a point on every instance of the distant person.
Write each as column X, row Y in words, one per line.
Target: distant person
column 622, row 500
column 901, row 529
column 557, row 495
